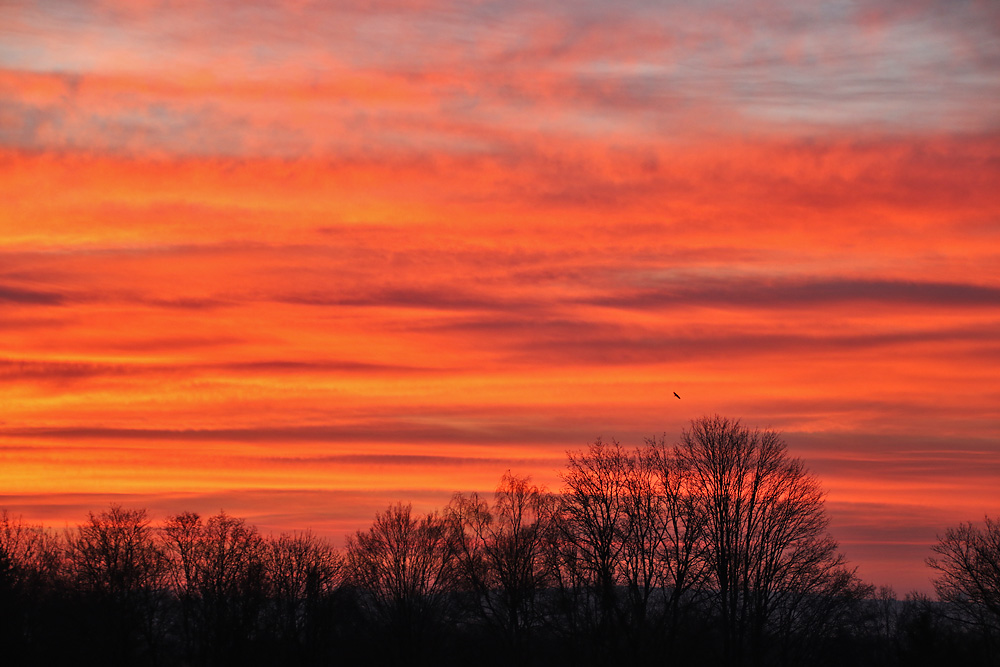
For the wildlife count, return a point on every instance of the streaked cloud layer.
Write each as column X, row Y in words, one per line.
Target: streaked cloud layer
column 301, row 259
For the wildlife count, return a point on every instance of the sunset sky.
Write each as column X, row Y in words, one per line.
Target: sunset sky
column 298, row 260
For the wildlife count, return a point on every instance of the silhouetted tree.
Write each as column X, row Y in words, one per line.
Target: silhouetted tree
column 304, row 574
column 631, row 537
column 232, row 581
column 501, row 555
column 182, row 534
column 33, row 553
column 642, row 533
column 766, row 542
column 929, row 636
column 968, row 564
column 815, row 615
column 115, row 560
column 884, row 620
column 219, row 574
column 30, row 560
column 591, row 519
column 682, row 537
column 405, row 567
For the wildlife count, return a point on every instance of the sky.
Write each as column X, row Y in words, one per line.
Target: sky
column 301, row 260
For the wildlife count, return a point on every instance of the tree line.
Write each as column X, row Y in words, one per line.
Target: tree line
column 712, row 549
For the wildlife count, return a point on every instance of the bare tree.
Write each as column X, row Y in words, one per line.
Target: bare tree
column 220, row 577
column 631, row 535
column 682, row 546
column 231, row 558
column 232, row 586
column 405, row 566
column 30, row 562
column 115, row 558
column 304, row 572
column 32, row 554
column 812, row 611
column 501, row 554
column 115, row 552
column 968, row 566
column 765, row 527
column 591, row 526
column 182, row 536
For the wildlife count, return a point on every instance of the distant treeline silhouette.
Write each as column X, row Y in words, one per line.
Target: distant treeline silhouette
column 710, row 551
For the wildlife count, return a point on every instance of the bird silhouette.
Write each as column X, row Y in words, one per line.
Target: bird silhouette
column 676, row 394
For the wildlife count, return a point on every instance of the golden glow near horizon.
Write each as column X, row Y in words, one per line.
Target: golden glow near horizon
column 253, row 258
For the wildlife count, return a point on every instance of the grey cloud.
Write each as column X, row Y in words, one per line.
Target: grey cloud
column 30, row 369
column 612, row 344
column 369, row 431
column 425, row 460
column 436, row 298
column 784, row 293
column 20, row 295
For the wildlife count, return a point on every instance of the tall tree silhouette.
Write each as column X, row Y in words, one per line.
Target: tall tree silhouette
column 501, row 555
column 304, row 574
column 765, row 525
column 405, row 565
column 682, row 546
column 967, row 561
column 631, row 546
column 30, row 560
column 116, row 560
column 591, row 524
column 220, row 576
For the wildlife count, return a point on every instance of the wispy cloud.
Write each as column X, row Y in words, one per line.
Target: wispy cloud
column 751, row 293
column 386, row 430
column 29, row 296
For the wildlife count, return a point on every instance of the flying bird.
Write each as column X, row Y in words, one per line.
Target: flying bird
column 676, row 394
